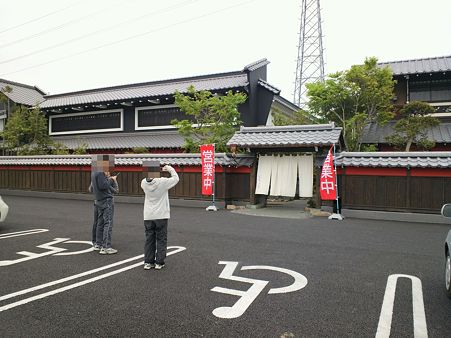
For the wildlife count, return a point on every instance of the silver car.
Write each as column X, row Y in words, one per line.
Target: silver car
column 3, row 210
column 446, row 212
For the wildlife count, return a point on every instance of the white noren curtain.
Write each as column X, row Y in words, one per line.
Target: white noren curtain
column 277, row 175
column 305, row 176
column 263, row 175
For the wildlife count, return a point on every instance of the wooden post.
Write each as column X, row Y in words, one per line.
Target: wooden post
column 408, row 181
column 343, row 187
column 224, row 186
column 252, row 183
column 318, row 186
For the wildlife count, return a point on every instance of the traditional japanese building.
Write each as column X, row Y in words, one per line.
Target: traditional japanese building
column 427, row 80
column 287, row 158
column 17, row 94
column 120, row 118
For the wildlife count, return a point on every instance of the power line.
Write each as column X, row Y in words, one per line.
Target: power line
column 54, row 28
column 130, row 37
column 81, row 37
column 40, row 17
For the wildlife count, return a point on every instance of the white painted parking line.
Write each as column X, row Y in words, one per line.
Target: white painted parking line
column 66, row 279
column 419, row 316
column 75, row 285
column 22, row 233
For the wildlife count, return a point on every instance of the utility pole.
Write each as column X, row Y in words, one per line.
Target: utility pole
column 310, row 61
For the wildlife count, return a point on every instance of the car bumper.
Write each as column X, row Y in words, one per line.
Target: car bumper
column 3, row 210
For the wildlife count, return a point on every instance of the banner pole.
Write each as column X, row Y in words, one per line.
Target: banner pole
column 214, row 175
column 213, row 207
column 336, row 182
column 337, row 215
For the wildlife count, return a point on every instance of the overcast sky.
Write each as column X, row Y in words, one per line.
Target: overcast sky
column 70, row 45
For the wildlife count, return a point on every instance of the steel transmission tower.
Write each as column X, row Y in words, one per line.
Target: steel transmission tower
column 310, row 61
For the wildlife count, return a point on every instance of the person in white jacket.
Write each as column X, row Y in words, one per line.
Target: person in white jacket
column 156, row 212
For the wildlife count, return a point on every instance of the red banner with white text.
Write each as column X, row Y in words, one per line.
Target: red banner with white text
column 207, row 152
column 328, row 189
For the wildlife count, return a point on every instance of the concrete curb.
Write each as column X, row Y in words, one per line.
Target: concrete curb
column 395, row 216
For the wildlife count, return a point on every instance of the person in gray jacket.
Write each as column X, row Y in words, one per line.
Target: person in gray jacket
column 104, row 186
column 156, row 212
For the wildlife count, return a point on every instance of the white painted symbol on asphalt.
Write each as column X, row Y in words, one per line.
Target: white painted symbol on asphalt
column 51, row 250
column 76, row 252
column 77, row 284
column 247, row 297
column 419, row 316
column 22, row 233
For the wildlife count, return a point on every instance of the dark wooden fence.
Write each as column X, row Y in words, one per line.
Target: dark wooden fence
column 384, row 189
column 400, row 189
column 77, row 180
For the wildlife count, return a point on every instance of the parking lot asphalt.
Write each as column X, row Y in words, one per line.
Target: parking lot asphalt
column 234, row 275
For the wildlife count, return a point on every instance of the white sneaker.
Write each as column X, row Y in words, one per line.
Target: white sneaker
column 107, row 251
column 148, row 266
column 159, row 266
column 96, row 247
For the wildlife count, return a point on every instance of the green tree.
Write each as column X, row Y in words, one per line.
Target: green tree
column 139, row 150
column 215, row 118
column 300, row 117
column 354, row 98
column 3, row 97
column 58, row 148
column 26, row 132
column 412, row 127
column 81, row 149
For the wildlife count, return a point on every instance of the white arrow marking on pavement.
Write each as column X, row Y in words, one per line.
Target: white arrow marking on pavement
column 22, row 233
column 75, row 285
column 419, row 316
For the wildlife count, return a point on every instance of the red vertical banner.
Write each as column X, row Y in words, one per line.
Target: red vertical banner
column 328, row 189
column 207, row 152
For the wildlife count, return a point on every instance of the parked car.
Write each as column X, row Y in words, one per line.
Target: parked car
column 3, row 210
column 446, row 212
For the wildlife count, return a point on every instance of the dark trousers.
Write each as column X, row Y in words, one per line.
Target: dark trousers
column 156, row 241
column 94, row 225
column 104, row 231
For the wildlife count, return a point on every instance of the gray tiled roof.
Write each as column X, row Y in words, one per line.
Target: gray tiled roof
column 417, row 66
column 154, row 139
column 149, row 89
column 23, row 94
column 395, row 159
column 266, row 85
column 286, row 136
column 286, row 103
column 128, row 159
column 374, row 133
column 255, row 65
